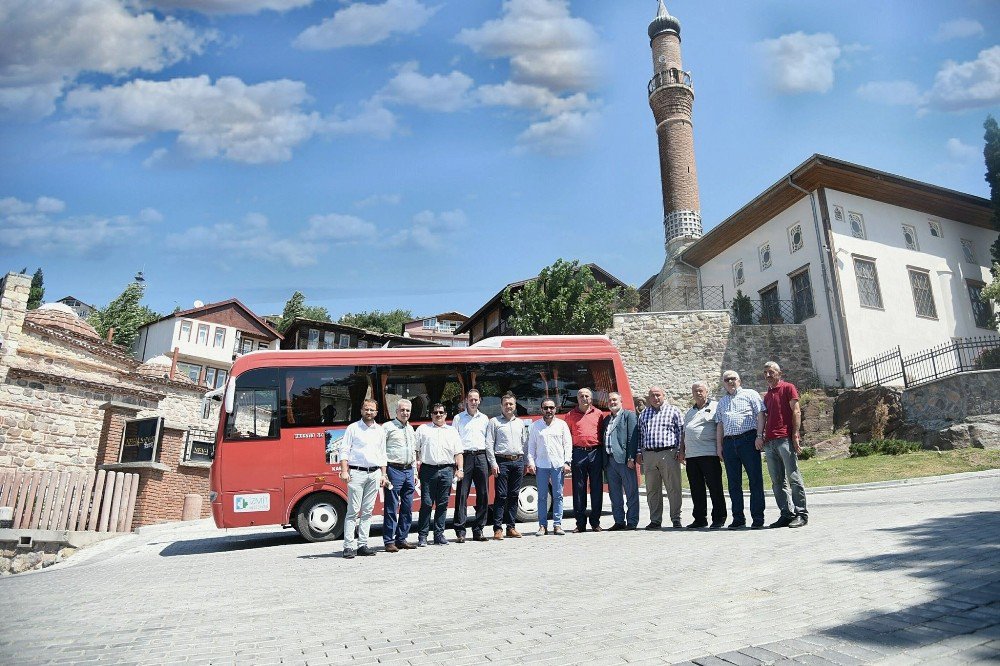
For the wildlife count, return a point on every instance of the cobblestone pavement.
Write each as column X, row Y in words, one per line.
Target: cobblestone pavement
column 898, row 575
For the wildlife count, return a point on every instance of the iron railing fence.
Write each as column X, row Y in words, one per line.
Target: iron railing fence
column 684, row 300
column 949, row 358
column 751, row 313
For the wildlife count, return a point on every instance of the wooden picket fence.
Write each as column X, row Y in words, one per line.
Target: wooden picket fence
column 99, row 501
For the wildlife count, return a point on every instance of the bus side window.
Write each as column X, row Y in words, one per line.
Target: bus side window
column 255, row 409
column 598, row 376
column 422, row 385
column 525, row 380
column 323, row 396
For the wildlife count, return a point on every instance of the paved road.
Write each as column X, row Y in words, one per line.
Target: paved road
column 898, row 575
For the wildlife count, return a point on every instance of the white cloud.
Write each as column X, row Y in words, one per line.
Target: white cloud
column 227, row 119
column 45, row 46
column 361, row 24
column 431, row 231
column 437, row 92
column 230, row 6
column 559, row 136
column 960, row 28
column 546, row 45
column 251, row 239
column 962, row 152
column 336, row 228
column 967, row 85
column 801, row 63
column 34, row 226
column 891, row 93
column 376, row 199
column 523, row 96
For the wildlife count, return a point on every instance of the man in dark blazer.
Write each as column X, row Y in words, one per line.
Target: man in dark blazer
column 619, row 434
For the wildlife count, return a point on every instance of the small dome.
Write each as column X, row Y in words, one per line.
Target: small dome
column 59, row 315
column 159, row 367
column 664, row 22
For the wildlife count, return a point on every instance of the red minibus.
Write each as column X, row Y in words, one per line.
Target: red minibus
column 284, row 411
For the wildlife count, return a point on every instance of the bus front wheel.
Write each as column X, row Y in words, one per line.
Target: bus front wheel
column 320, row 517
column 527, row 501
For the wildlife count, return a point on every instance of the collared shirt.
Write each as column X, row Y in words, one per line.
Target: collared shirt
column 699, row 430
column 660, row 428
column 471, row 430
column 738, row 412
column 610, row 429
column 363, row 445
column 506, row 437
column 583, row 426
column 438, row 445
column 780, row 418
column 549, row 446
column 400, row 442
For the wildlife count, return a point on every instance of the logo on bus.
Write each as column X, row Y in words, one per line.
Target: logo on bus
column 249, row 503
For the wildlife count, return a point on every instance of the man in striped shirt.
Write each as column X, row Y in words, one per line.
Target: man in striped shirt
column 740, row 432
column 660, row 428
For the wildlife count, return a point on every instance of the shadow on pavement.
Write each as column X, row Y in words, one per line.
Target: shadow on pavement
column 222, row 544
column 959, row 556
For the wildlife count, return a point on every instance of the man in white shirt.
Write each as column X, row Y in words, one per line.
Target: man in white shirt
column 550, row 451
column 439, row 455
column 471, row 425
column 362, row 466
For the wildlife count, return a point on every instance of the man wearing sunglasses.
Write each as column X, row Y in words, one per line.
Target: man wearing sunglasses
column 739, row 432
column 439, row 459
column 550, row 452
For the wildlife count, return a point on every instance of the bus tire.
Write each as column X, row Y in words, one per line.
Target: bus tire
column 527, row 501
column 320, row 517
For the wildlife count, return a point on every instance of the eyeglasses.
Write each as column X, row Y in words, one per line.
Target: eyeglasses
column 438, row 413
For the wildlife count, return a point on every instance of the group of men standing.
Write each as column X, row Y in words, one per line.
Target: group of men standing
column 590, row 443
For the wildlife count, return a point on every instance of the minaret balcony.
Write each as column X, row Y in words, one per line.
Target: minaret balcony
column 669, row 77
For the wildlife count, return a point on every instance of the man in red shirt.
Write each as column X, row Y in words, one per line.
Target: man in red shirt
column 782, row 444
column 588, row 460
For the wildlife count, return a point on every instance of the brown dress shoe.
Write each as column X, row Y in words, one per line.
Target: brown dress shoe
column 460, row 539
column 405, row 545
column 513, row 533
column 391, row 548
column 597, row 528
column 498, row 535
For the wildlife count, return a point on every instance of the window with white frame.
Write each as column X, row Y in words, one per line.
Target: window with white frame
column 969, row 250
column 362, row 344
column 868, row 289
column 210, row 377
column 738, row 275
column 329, row 339
column 857, row 225
column 345, row 341
column 263, row 345
column 202, row 334
column 795, row 241
column 923, row 297
column 313, row 339
column 935, row 228
column 220, row 337
column 185, row 332
column 838, row 213
column 910, row 237
column 189, row 370
column 764, row 251
column 430, row 323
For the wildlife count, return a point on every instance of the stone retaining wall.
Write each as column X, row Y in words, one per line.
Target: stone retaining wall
column 675, row 349
column 954, row 398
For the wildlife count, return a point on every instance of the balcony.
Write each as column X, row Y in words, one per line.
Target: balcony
column 669, row 77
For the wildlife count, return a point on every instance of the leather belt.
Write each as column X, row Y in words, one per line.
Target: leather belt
column 740, row 436
column 400, row 466
column 507, row 458
column 363, row 469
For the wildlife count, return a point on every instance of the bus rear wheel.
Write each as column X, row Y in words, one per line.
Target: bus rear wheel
column 320, row 517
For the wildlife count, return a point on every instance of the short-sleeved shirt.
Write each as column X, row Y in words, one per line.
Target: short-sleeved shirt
column 438, row 445
column 583, row 427
column 779, row 411
column 738, row 412
column 699, row 430
column 660, row 429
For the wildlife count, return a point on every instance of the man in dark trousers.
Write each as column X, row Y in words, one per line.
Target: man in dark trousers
column 471, row 425
column 588, row 460
column 619, row 433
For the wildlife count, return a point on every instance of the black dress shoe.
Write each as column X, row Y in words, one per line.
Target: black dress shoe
column 653, row 526
column 757, row 526
column 617, row 527
column 799, row 521
column 698, row 524
column 479, row 537
column 629, row 528
column 781, row 522
column 349, row 553
column 718, row 525
column 737, row 526
column 676, row 524
column 365, row 551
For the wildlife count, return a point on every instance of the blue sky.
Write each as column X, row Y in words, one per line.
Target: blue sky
column 423, row 153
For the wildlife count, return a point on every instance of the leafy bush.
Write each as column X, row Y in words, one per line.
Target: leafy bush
column 888, row 447
column 807, row 452
column 989, row 359
column 742, row 309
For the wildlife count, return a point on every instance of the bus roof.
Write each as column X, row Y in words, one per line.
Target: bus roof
column 501, row 348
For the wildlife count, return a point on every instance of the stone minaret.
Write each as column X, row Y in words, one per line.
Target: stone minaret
column 671, row 97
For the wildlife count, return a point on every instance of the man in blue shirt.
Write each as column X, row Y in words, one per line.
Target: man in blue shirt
column 740, row 434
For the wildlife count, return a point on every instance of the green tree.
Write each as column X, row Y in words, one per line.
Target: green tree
column 991, row 154
column 37, row 292
column 294, row 307
column 385, row 322
column 316, row 313
column 565, row 299
column 125, row 314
